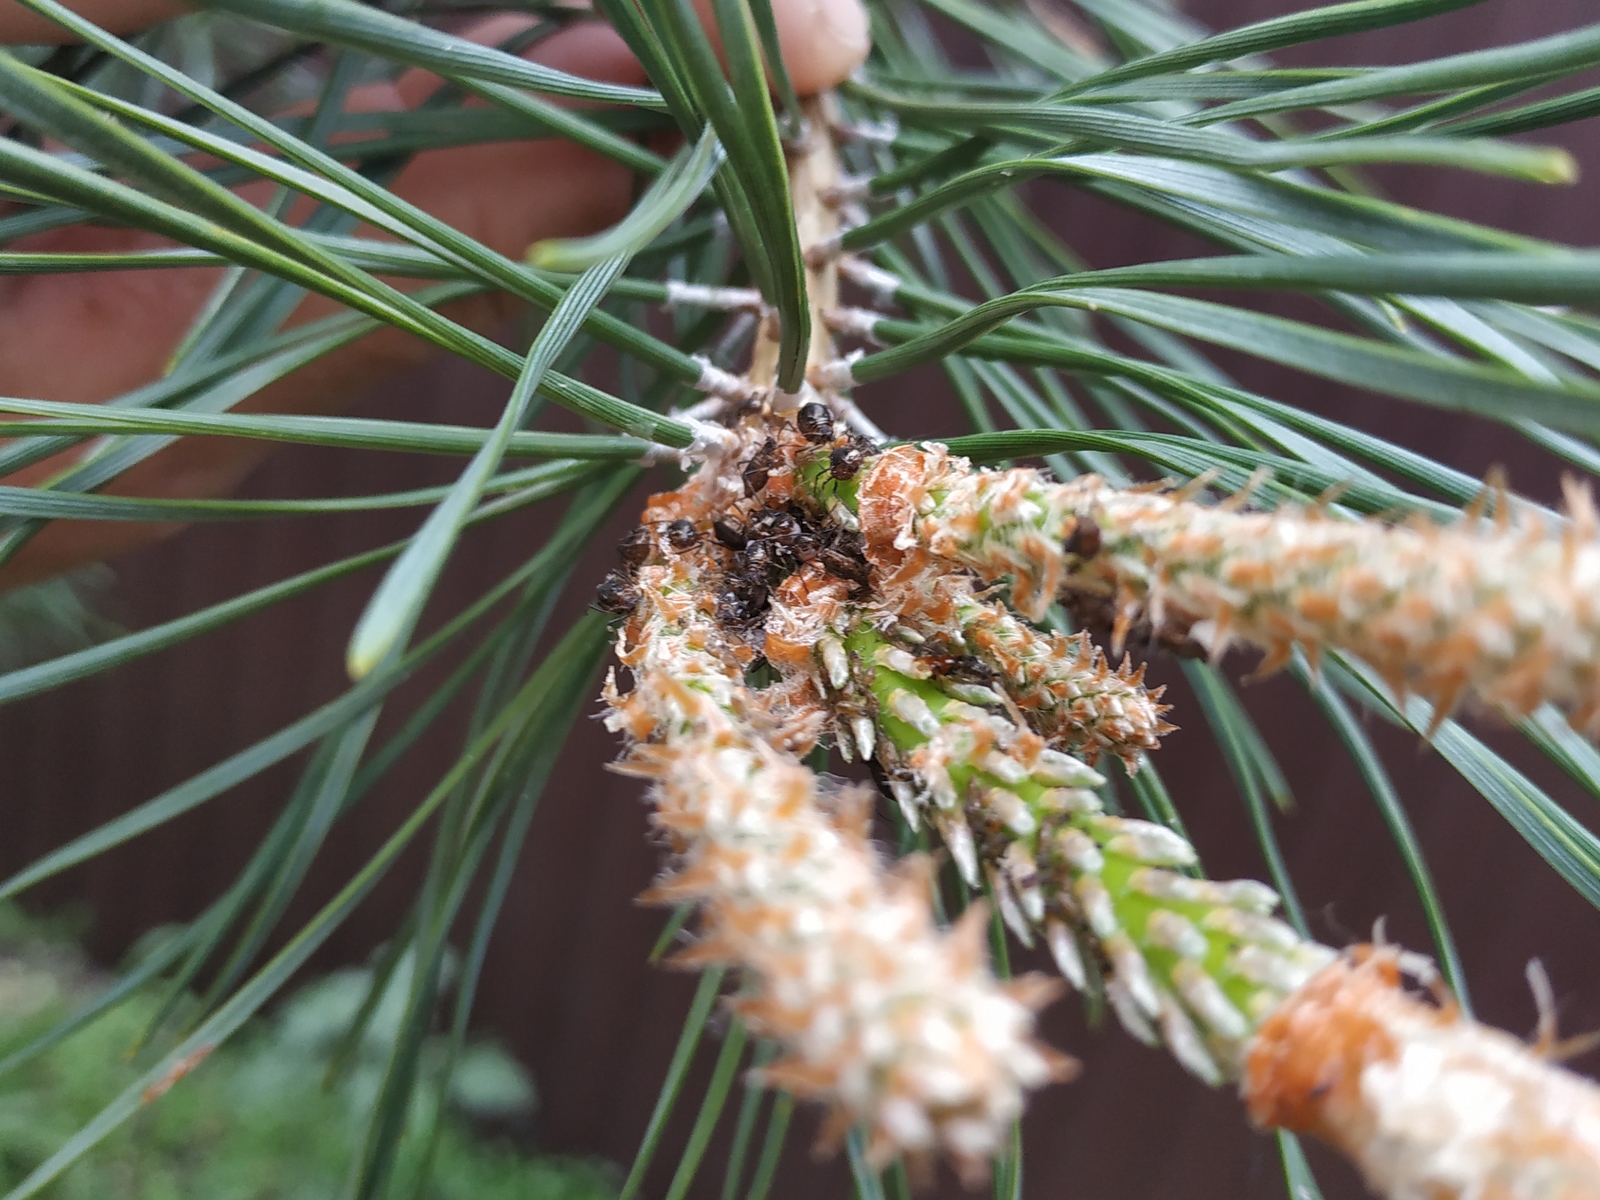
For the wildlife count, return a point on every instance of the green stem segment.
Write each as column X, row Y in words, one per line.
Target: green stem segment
column 1186, row 961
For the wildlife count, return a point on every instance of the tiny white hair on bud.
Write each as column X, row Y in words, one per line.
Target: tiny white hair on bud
column 1261, row 966
column 883, row 285
column 1252, row 927
column 1062, row 770
column 1175, row 932
column 974, row 693
column 1012, row 811
column 823, row 251
column 835, row 661
column 1185, row 1042
column 882, row 131
column 1010, row 912
column 866, row 735
column 1080, row 851
column 914, row 711
column 1004, row 768
column 907, row 1122
column 1207, row 1000
column 838, row 375
column 717, row 382
column 1129, row 1013
column 854, row 322
column 1022, row 872
column 901, row 661
column 1155, row 845
column 960, row 710
column 1262, row 1004
column 1069, row 800
column 1247, row 894
column 958, row 840
column 906, row 797
column 701, row 295
column 1130, row 969
column 1098, row 912
column 1064, row 949
column 1032, row 900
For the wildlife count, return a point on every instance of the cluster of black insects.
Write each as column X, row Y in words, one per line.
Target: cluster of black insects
column 815, row 424
column 773, row 542
column 769, row 544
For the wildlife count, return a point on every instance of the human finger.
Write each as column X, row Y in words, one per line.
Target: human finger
column 506, row 195
column 86, row 338
column 20, row 26
column 823, row 41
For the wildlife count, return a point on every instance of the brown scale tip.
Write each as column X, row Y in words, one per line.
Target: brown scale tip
column 1428, row 1103
column 1305, row 1063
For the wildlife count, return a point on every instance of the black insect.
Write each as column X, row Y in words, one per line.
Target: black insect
column 742, row 601
column 758, row 560
column 845, row 566
column 1084, row 541
column 1097, row 614
column 881, row 776
column 959, row 668
column 682, row 534
column 844, row 556
column 807, row 544
column 616, row 593
column 635, row 546
column 1179, row 643
column 771, row 546
column 774, row 524
column 845, row 461
column 755, row 471
column 789, row 535
column 815, row 423
column 729, row 532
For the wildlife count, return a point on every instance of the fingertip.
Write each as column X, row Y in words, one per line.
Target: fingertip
column 823, row 41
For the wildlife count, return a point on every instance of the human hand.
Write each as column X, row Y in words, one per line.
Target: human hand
column 86, row 338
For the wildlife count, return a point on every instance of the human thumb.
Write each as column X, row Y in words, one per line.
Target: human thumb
column 822, row 40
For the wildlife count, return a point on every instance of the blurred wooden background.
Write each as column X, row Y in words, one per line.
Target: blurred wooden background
column 567, row 987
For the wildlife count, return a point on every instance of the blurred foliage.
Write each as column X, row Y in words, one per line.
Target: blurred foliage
column 55, row 617
column 254, row 1120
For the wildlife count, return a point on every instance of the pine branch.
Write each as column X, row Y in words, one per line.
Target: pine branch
column 1502, row 610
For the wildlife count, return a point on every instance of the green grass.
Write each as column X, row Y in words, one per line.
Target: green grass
column 257, row 1122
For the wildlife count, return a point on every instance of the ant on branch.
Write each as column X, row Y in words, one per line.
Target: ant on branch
column 770, row 546
column 760, row 465
column 617, row 592
column 960, row 668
